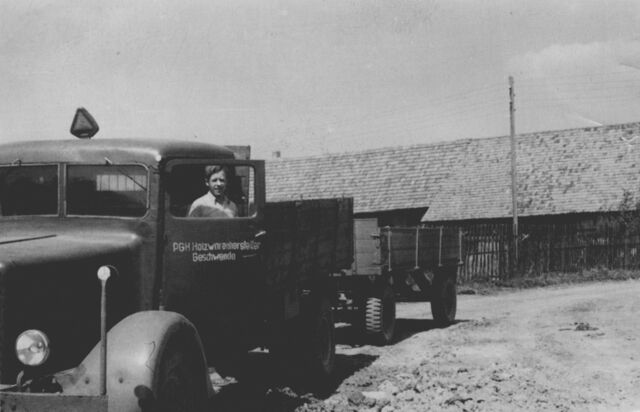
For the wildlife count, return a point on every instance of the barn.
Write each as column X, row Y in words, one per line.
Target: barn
column 576, row 189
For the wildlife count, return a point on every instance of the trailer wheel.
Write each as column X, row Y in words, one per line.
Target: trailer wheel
column 179, row 376
column 380, row 316
column 444, row 299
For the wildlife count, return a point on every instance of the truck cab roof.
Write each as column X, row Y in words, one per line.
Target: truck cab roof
column 133, row 150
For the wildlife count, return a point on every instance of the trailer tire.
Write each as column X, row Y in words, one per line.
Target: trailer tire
column 444, row 299
column 380, row 316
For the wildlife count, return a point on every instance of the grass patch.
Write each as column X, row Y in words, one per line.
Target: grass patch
column 485, row 287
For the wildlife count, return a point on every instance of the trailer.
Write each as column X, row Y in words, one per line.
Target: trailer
column 417, row 263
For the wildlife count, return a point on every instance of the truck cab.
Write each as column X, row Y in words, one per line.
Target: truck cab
column 69, row 208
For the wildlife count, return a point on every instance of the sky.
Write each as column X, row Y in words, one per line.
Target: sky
column 307, row 77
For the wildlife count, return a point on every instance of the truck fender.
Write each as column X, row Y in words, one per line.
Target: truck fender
column 135, row 347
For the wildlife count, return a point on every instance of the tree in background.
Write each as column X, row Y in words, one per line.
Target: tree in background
column 629, row 213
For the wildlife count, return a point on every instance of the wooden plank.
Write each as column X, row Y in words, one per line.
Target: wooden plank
column 402, row 259
column 403, row 241
column 308, row 238
column 362, row 248
column 367, row 250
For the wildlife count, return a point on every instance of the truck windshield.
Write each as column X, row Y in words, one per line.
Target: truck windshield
column 28, row 190
column 107, row 190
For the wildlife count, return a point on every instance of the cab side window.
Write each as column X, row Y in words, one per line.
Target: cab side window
column 214, row 191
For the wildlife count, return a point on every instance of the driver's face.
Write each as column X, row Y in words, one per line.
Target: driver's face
column 217, row 183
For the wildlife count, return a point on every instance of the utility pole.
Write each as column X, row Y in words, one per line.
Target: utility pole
column 514, row 179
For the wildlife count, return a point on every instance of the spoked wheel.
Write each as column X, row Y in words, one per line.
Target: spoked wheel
column 380, row 316
column 444, row 299
column 180, row 386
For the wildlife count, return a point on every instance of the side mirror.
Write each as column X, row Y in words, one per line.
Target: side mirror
column 84, row 126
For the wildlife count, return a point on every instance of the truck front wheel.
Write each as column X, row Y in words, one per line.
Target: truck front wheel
column 444, row 298
column 380, row 316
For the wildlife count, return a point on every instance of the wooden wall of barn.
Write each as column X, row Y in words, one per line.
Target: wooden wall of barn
column 566, row 243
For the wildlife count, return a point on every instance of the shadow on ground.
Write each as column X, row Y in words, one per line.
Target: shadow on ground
column 405, row 328
column 272, row 388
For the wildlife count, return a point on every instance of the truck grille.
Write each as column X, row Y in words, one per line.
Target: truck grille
column 64, row 304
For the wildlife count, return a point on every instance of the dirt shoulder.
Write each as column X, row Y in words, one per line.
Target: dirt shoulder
column 561, row 348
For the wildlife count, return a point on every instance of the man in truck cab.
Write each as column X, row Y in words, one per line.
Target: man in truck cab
column 230, row 191
column 215, row 202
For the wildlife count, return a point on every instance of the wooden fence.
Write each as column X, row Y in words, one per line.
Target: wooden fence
column 545, row 248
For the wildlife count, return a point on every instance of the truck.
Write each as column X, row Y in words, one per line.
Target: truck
column 113, row 298
column 391, row 262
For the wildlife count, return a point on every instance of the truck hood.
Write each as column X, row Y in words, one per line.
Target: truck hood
column 48, row 282
column 50, row 246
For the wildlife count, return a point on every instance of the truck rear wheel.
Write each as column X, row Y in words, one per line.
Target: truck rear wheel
column 179, row 376
column 307, row 350
column 444, row 299
column 319, row 350
column 380, row 316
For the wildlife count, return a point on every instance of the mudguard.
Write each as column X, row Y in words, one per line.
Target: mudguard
column 134, row 347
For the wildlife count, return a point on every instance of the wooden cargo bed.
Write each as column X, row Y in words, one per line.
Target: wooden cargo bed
column 307, row 239
column 387, row 249
column 426, row 248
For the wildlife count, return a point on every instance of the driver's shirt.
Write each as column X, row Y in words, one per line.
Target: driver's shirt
column 208, row 206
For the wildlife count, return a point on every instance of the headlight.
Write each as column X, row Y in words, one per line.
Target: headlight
column 32, row 347
column 104, row 272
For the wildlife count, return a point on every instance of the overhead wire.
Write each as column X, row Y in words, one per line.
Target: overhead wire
column 415, row 122
column 413, row 117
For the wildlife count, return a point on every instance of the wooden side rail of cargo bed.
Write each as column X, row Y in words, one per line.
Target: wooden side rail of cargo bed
column 408, row 248
column 307, row 240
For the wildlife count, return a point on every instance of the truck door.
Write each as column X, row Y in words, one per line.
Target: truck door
column 212, row 245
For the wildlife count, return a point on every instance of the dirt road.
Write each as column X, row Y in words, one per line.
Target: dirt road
column 569, row 348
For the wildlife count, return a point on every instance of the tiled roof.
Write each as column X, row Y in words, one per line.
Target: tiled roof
column 566, row 171
column 559, row 172
column 378, row 180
